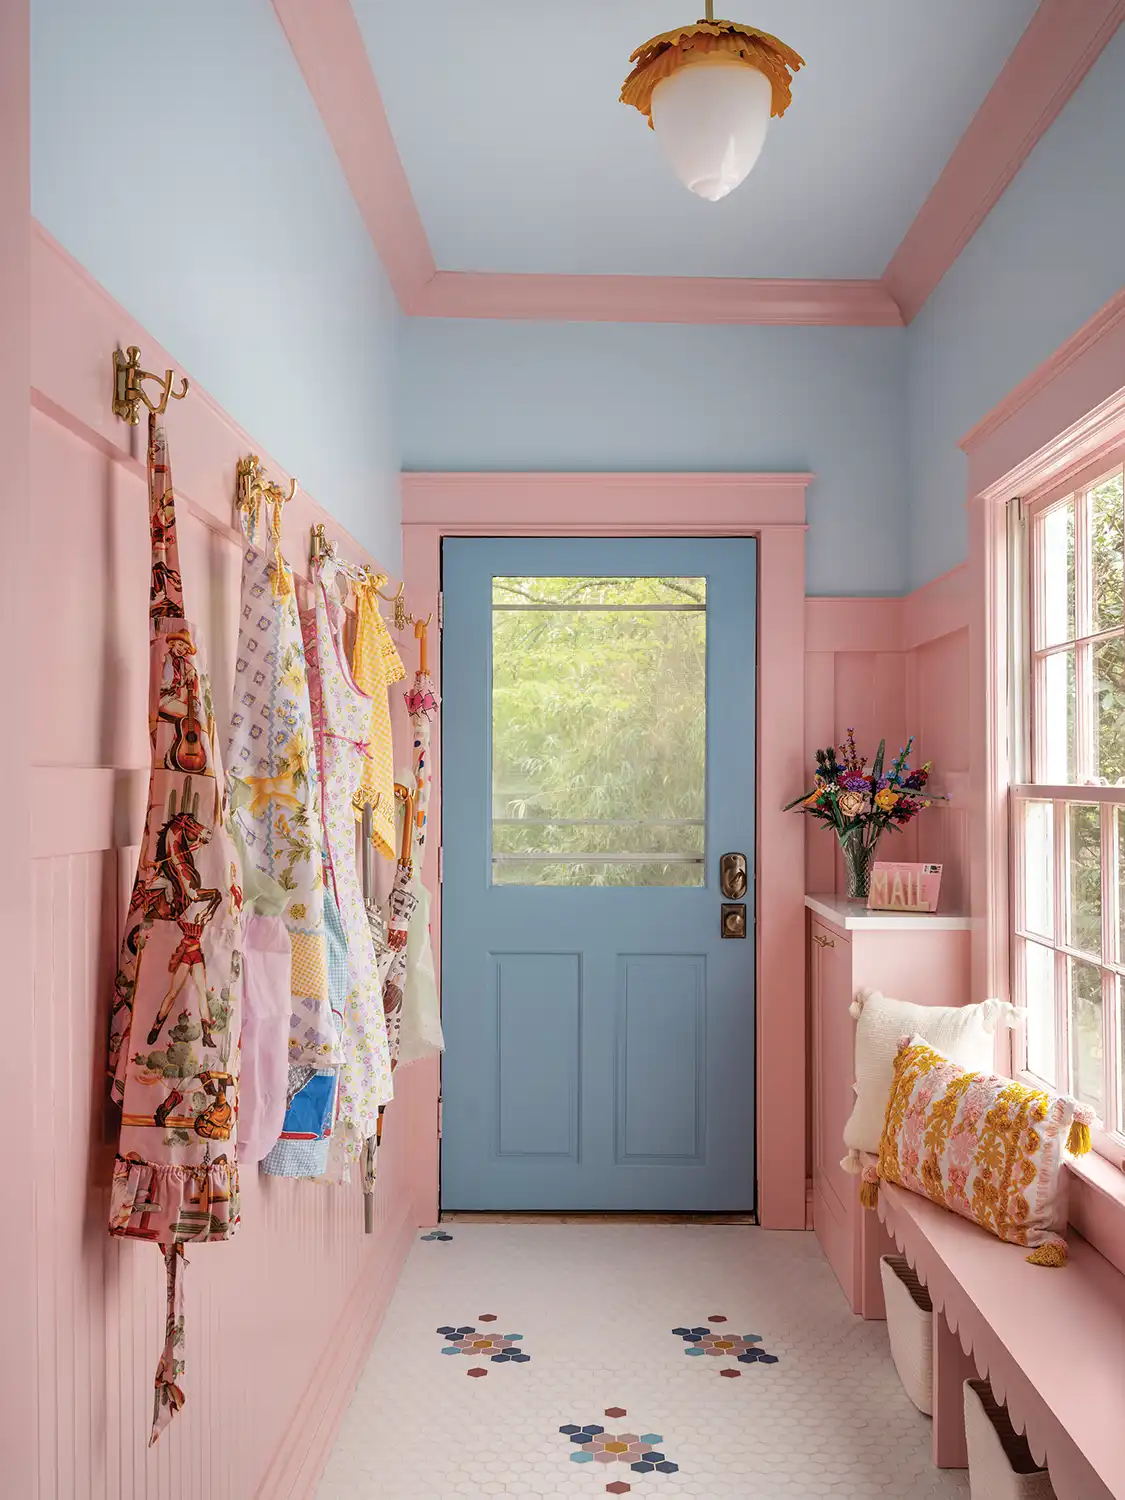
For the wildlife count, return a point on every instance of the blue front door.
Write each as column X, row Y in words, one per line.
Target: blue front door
column 598, row 755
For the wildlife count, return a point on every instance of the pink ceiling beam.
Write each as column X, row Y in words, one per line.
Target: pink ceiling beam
column 1058, row 49
column 329, row 48
column 657, row 299
column 1051, row 59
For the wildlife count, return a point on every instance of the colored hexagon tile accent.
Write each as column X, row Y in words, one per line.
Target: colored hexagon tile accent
column 500, row 1348
column 716, row 1318
column 616, row 1411
column 719, row 1344
column 593, row 1444
column 618, row 1488
column 437, row 1234
column 487, row 1318
column 730, row 1374
column 476, row 1374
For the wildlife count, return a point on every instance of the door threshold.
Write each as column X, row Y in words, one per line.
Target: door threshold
column 589, row 1216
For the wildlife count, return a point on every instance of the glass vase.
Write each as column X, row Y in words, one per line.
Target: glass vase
column 858, row 846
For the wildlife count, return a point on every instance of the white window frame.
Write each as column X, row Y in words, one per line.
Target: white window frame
column 1027, row 676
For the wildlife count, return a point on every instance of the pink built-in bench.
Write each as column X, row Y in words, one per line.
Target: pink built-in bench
column 1050, row 1342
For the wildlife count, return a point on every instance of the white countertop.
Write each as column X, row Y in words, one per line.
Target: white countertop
column 853, row 915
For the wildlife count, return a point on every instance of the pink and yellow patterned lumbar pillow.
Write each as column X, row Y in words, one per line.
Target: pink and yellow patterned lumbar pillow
column 985, row 1147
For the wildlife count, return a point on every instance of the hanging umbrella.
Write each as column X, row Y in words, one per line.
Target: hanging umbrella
column 421, row 705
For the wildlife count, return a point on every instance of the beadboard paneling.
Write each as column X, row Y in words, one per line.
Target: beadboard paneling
column 280, row 1318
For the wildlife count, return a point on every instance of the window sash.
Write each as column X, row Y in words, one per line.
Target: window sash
column 1028, row 668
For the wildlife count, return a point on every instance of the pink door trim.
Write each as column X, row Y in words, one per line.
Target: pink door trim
column 770, row 507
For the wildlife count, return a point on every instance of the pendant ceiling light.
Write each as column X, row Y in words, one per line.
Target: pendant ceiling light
column 708, row 89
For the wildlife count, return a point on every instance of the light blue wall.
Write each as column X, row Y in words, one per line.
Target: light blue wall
column 1048, row 256
column 214, row 209
column 509, row 395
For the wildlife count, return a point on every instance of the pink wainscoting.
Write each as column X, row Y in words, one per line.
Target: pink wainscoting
column 280, row 1319
column 890, row 668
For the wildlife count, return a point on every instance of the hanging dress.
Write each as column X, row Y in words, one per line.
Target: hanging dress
column 176, row 1016
column 341, row 715
column 376, row 664
column 273, row 777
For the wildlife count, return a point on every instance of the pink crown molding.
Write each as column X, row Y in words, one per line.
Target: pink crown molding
column 1061, row 44
column 1048, row 64
column 1063, row 404
column 658, row 299
column 330, row 51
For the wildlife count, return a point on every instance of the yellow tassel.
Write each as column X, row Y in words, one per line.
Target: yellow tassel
column 1051, row 1254
column 869, row 1193
column 1078, row 1141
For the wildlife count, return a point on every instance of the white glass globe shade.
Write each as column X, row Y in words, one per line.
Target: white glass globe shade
column 710, row 118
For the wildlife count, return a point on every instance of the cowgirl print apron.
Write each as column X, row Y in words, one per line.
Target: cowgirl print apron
column 341, row 714
column 176, row 1014
column 273, row 778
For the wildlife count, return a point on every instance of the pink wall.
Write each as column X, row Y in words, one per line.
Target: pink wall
column 19, row 1252
column 281, row 1318
column 891, row 668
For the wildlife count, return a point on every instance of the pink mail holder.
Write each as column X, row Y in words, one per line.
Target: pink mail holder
column 900, row 887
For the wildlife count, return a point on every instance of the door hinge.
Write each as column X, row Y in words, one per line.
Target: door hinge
column 440, row 864
column 441, row 609
column 439, row 1119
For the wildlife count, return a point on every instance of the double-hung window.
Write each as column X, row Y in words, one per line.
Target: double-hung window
column 1068, row 806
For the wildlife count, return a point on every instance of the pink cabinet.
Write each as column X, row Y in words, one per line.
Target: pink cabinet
column 920, row 958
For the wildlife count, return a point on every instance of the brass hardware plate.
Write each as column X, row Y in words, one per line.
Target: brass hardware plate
column 732, row 876
column 733, row 919
column 823, row 941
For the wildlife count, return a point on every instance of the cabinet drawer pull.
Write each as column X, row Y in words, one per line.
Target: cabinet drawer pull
column 823, row 941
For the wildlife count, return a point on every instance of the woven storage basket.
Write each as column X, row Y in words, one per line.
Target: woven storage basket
column 910, row 1328
column 1000, row 1463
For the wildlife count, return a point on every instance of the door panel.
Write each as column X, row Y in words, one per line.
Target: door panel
column 538, row 1026
column 598, row 755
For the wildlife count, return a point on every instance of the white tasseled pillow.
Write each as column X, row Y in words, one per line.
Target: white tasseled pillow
column 964, row 1033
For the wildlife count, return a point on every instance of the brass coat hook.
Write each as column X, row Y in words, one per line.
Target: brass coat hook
column 129, row 391
column 319, row 545
column 255, row 485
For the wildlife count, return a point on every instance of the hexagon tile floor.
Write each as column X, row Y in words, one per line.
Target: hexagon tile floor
column 652, row 1361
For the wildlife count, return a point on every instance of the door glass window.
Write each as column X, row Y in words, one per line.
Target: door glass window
column 599, row 731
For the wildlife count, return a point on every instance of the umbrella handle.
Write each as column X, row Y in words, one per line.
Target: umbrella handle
column 420, row 636
column 405, row 795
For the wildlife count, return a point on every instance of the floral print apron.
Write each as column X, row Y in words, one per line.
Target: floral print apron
column 341, row 715
column 176, row 1016
column 273, row 777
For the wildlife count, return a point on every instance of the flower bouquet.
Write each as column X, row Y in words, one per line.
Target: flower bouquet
column 861, row 804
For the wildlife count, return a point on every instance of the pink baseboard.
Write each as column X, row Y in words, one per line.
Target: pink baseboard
column 295, row 1470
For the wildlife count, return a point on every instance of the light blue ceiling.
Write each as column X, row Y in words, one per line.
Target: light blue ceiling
column 521, row 158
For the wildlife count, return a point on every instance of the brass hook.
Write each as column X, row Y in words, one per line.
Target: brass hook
column 129, row 391
column 320, row 547
column 254, row 484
